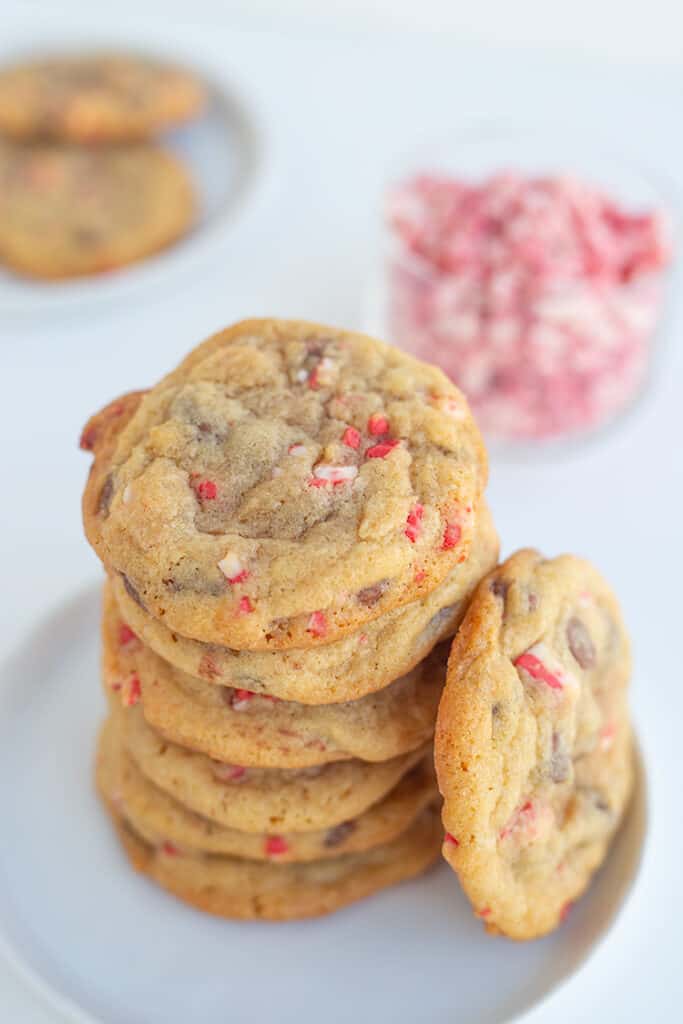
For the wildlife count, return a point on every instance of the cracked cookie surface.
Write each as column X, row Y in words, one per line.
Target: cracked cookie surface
column 533, row 744
column 286, row 484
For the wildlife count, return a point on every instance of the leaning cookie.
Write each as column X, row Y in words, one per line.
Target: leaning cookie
column 287, row 484
column 67, row 211
column 100, row 97
column 244, row 728
column 533, row 744
column 167, row 824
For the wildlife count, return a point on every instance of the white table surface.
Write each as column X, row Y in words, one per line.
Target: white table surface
column 335, row 109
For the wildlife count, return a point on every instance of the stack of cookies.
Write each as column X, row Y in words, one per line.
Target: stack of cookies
column 83, row 190
column 292, row 523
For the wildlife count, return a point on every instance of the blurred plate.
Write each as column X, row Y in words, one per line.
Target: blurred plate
column 101, row 943
column 223, row 151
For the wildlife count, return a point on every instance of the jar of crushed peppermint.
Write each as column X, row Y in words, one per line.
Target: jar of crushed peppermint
column 538, row 289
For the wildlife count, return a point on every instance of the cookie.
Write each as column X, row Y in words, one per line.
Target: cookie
column 100, row 97
column 246, row 729
column 533, row 744
column 260, row 799
column 345, row 670
column 245, row 889
column 286, row 484
column 67, row 211
column 163, row 822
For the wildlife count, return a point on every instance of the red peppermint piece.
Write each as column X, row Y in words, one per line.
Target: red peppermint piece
column 240, row 699
column 451, row 536
column 523, row 818
column 420, row 576
column 414, row 522
column 275, row 846
column 169, row 849
column 534, row 667
column 245, row 606
column 317, row 624
column 484, row 912
column 132, row 691
column 381, row 450
column 207, row 490
column 88, row 439
column 450, row 839
column 229, row 772
column 565, row 911
column 126, row 635
column 378, row 425
column 351, row 438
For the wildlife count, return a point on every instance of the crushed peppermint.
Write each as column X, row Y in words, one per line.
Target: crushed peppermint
column 245, row 607
column 351, row 438
column 317, row 624
column 538, row 296
column 378, row 425
column 326, row 473
column 381, row 450
column 275, row 846
column 414, row 522
column 233, row 568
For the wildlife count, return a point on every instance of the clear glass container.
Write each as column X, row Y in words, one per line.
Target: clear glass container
column 545, row 303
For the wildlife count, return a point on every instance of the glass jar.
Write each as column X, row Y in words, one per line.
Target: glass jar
column 531, row 268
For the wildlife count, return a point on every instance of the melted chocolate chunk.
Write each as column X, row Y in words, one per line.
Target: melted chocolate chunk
column 105, row 496
column 369, row 596
column 132, row 592
column 339, row 834
column 580, row 643
column 532, row 601
column 499, row 587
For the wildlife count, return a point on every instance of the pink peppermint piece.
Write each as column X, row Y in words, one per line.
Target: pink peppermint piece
column 538, row 663
column 450, row 405
column 317, row 624
column 240, row 699
column 275, row 846
column 380, row 451
column 378, row 425
column 351, row 438
column 522, row 820
column 607, row 736
column 450, row 839
column 169, row 849
column 326, row 473
column 207, row 490
column 229, row 772
column 484, row 912
column 245, row 606
column 566, row 910
column 233, row 568
column 132, row 691
column 414, row 522
column 116, row 686
column 420, row 576
column 451, row 536
column 126, row 635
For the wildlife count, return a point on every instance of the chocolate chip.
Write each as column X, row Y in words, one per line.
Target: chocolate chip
column 532, row 601
column 132, row 592
column 580, row 643
column 499, row 587
column 339, row 833
column 369, row 596
column 442, row 617
column 105, row 496
column 559, row 760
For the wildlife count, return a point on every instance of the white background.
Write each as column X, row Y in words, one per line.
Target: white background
column 336, row 105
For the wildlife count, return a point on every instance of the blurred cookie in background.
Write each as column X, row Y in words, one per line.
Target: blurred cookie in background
column 67, row 211
column 99, row 97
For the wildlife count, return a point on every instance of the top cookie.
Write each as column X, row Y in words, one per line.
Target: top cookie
column 533, row 745
column 287, row 483
column 95, row 98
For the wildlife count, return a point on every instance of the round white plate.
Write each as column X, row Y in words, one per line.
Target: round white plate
column 223, row 151
column 102, row 943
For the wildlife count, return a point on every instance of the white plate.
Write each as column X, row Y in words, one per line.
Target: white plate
column 223, row 151
column 100, row 942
